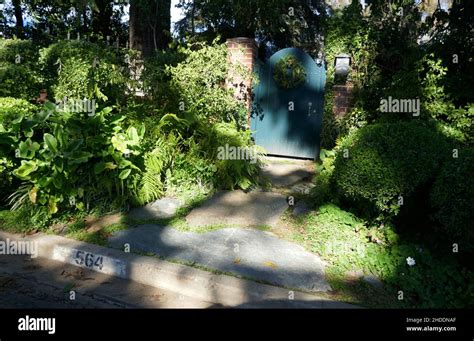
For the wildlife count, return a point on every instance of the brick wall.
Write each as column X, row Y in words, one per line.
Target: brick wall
column 342, row 99
column 242, row 51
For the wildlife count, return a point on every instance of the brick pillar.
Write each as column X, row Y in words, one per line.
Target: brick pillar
column 342, row 99
column 242, row 51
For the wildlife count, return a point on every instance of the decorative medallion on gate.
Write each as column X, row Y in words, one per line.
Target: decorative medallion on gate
column 289, row 73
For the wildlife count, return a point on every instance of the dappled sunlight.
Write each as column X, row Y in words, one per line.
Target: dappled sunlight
column 282, row 154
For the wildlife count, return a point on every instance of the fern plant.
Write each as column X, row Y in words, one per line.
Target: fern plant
column 150, row 186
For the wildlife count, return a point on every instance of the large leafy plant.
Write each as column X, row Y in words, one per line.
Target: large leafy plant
column 70, row 160
column 10, row 108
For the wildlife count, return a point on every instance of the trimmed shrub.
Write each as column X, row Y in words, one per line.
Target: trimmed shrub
column 382, row 163
column 19, row 70
column 452, row 198
column 79, row 69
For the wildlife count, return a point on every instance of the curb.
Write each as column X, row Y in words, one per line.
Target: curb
column 186, row 280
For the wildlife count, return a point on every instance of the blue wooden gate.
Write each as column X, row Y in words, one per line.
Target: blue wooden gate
column 287, row 116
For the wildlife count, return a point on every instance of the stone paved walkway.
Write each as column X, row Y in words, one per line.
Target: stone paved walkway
column 285, row 172
column 238, row 208
column 250, row 253
column 237, row 249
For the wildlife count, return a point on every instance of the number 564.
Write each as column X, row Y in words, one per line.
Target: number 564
column 84, row 258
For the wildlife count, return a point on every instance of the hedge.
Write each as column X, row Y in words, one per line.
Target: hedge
column 384, row 162
column 19, row 69
column 452, row 199
column 79, row 69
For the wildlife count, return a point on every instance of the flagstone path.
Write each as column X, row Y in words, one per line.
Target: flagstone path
column 239, row 246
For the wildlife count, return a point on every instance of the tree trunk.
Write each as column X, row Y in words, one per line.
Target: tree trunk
column 149, row 26
column 19, row 18
column 102, row 18
column 135, row 27
column 84, row 22
column 193, row 11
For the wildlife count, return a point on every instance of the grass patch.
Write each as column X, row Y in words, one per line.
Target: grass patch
column 111, row 229
column 348, row 245
column 357, row 291
column 14, row 222
column 20, row 221
column 77, row 231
